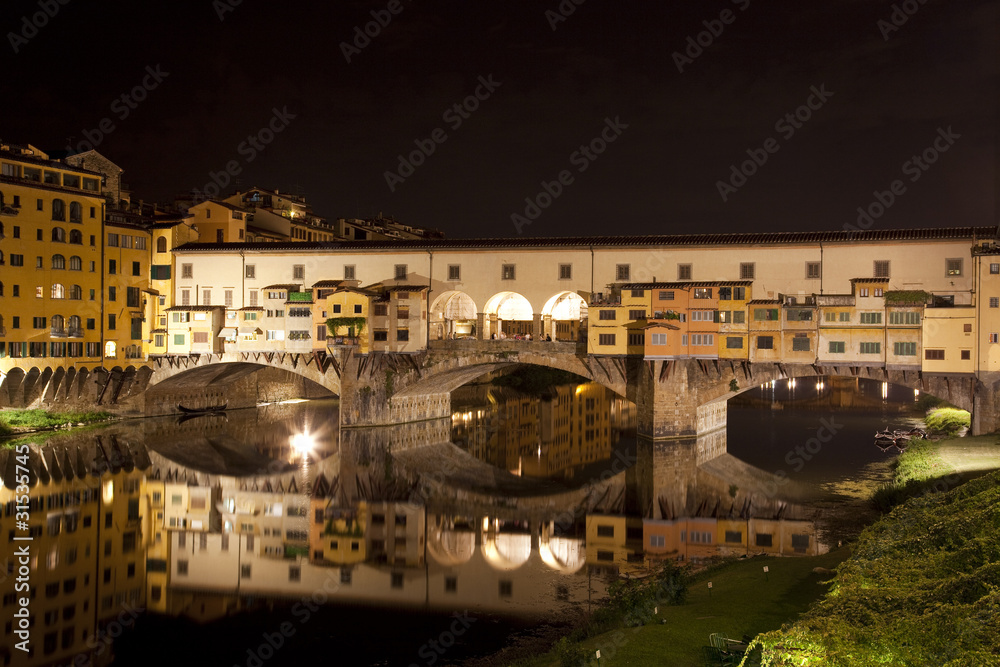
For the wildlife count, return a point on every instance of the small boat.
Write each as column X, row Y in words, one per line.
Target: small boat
column 206, row 409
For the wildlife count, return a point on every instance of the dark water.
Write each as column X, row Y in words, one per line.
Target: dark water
column 411, row 545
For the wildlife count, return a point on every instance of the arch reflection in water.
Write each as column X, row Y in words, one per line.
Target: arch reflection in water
column 365, row 521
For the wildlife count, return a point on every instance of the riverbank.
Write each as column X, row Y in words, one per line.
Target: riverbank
column 15, row 422
column 743, row 600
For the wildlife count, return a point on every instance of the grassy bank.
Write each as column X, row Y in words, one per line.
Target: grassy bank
column 742, row 601
column 13, row 422
column 919, row 589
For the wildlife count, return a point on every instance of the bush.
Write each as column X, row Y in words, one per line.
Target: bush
column 948, row 420
column 570, row 654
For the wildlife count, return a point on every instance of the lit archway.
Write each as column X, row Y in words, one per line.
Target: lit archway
column 563, row 315
column 511, row 313
column 453, row 314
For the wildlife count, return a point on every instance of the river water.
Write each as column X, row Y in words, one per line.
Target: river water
column 268, row 536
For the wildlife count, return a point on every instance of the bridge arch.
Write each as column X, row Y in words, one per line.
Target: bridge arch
column 564, row 314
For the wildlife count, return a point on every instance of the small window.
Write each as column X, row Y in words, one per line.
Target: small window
column 734, row 342
column 871, row 348
column 683, row 272
column 623, row 272
column 454, row 272
column 565, row 271
column 953, row 267
column 299, row 272
column 765, row 342
column 606, row 314
column 967, row 328
column 400, row 272
column 966, row 354
column 800, row 344
column 837, row 347
column 938, row 355
column 251, row 271
column 605, row 531
column 403, row 334
column 995, row 302
column 994, row 268
column 605, row 339
column 507, row 272
column 748, row 271
column 813, row 270
column 348, row 272
column 904, row 349
column 880, row 268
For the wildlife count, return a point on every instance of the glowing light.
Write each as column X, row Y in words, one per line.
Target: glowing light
column 791, row 383
column 885, row 389
column 109, row 491
column 303, row 443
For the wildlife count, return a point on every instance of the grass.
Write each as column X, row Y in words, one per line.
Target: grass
column 948, row 420
column 920, row 588
column 916, row 471
column 742, row 601
column 14, row 421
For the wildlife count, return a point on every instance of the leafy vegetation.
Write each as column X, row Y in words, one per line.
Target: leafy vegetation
column 902, row 297
column 334, row 324
column 13, row 421
column 948, row 420
column 919, row 589
column 917, row 470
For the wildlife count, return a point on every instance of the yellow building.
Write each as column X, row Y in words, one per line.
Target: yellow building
column 167, row 232
column 342, row 318
column 218, row 222
column 128, row 311
column 337, row 534
column 51, row 219
column 616, row 321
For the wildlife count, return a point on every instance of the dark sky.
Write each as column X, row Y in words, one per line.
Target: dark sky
column 894, row 91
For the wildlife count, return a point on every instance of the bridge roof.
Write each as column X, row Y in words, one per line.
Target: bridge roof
column 767, row 238
column 687, row 284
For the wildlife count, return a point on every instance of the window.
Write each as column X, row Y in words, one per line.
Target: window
column 702, row 340
column 800, row 344
column 16, row 260
column 845, row 316
column 58, row 210
column 966, row 354
column 403, row 334
column 637, row 314
column 206, row 297
column 636, row 339
column 112, row 293
column 734, row 342
column 863, row 291
column 400, row 272
column 967, row 328
column 161, row 244
column 349, row 272
column 112, row 267
column 748, row 270
column 799, row 315
column 623, row 272
column 402, row 312
column 605, row 531
column 667, row 295
column 881, row 268
column 250, row 271
column 765, row 342
column 703, row 293
column 605, row 339
column 136, row 269
column 454, row 272
column 994, row 302
column 507, row 272
column 658, row 339
column 58, row 262
column 111, row 322
column 836, row 347
column 683, row 272
column 763, row 314
column 953, row 267
column 606, row 314
column 380, row 335
column 938, row 355
column 813, row 270
column 380, row 309
column 870, row 318
column 871, row 348
column 703, row 315
column 565, row 271
column 994, row 268
column 734, row 536
column 299, row 272
column 904, row 349
column 911, row 317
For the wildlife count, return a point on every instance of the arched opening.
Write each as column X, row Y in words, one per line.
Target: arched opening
column 58, row 326
column 74, row 329
column 58, row 235
column 58, row 262
column 76, row 236
column 453, row 315
column 564, row 316
column 161, row 244
column 110, row 350
column 76, row 293
column 75, row 263
column 59, row 210
column 58, row 292
column 75, row 212
column 510, row 315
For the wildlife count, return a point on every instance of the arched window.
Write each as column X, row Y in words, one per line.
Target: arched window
column 59, row 235
column 75, row 212
column 76, row 293
column 58, row 291
column 76, row 236
column 75, row 263
column 161, row 244
column 58, row 325
column 58, row 262
column 58, row 210
column 74, row 325
column 109, row 350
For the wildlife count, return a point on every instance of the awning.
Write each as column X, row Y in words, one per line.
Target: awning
column 250, row 330
column 228, row 332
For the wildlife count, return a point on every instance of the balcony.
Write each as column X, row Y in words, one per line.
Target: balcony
column 74, row 332
column 57, row 332
column 342, row 341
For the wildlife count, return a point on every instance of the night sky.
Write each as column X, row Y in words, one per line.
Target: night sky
column 675, row 115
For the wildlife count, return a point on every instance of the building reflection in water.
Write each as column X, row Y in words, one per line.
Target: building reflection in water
column 159, row 516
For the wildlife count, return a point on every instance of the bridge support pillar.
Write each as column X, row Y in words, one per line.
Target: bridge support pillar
column 680, row 399
column 986, row 404
column 481, row 326
column 536, row 328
